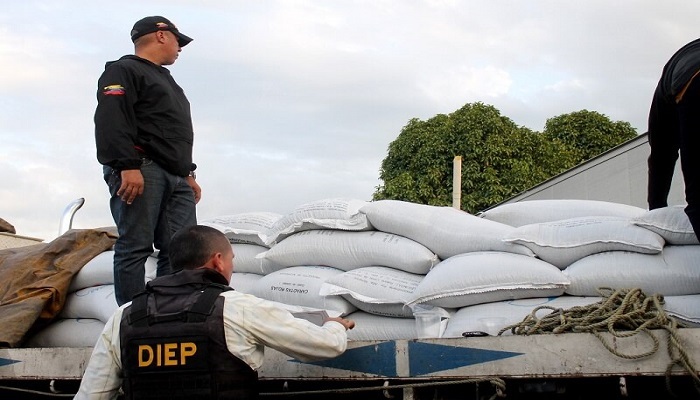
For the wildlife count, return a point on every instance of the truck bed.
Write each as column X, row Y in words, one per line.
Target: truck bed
column 562, row 366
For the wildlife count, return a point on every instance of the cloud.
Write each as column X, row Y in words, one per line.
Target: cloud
column 294, row 101
column 453, row 88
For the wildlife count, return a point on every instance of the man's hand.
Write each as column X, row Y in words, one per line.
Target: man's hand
column 195, row 188
column 132, row 185
column 347, row 323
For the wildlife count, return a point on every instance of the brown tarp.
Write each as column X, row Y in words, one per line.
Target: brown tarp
column 34, row 280
column 6, row 226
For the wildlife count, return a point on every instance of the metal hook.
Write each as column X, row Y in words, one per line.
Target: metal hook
column 68, row 213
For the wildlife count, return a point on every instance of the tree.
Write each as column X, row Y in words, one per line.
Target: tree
column 589, row 133
column 499, row 159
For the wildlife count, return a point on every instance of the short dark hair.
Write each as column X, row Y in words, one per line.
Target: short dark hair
column 192, row 246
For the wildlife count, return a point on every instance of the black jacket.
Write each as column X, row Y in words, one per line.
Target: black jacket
column 142, row 111
column 679, row 69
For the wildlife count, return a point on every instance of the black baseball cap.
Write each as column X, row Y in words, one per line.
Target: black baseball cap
column 154, row 24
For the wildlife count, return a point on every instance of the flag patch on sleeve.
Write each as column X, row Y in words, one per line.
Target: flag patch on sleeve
column 114, row 90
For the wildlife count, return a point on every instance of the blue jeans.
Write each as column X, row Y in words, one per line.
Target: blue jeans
column 166, row 205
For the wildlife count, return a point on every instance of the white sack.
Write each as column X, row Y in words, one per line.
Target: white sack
column 244, row 281
column 299, row 286
column 671, row 223
column 673, row 272
column 301, row 309
column 245, row 259
column 95, row 302
column 376, row 290
column 82, row 332
column 492, row 317
column 98, row 271
column 336, row 213
column 349, row 250
column 376, row 327
column 249, row 227
column 562, row 242
column 537, row 211
column 483, row 277
column 444, row 230
column 685, row 308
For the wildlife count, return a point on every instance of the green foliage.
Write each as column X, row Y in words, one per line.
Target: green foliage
column 499, row 159
column 589, row 133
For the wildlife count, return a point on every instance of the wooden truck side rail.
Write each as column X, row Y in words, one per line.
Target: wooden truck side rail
column 577, row 356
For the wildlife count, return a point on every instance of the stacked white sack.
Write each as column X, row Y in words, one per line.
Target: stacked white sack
column 385, row 262
column 246, row 259
column 596, row 249
column 89, row 304
column 675, row 271
column 100, row 271
column 249, row 234
column 334, row 213
column 331, row 237
column 381, row 293
column 386, row 259
column 68, row 332
column 491, row 318
column 379, row 264
column 671, row 223
column 327, row 255
column 686, row 309
column 350, row 250
column 476, row 266
column 300, row 286
column 444, row 230
column 537, row 211
column 488, row 276
column 250, row 227
column 565, row 241
column 96, row 302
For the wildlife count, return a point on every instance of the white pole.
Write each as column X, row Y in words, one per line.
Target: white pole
column 457, row 183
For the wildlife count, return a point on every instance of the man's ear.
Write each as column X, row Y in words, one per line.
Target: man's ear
column 217, row 262
column 160, row 36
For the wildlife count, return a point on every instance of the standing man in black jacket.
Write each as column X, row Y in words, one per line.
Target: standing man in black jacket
column 144, row 137
column 674, row 126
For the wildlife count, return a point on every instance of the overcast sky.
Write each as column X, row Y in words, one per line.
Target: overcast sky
column 297, row 101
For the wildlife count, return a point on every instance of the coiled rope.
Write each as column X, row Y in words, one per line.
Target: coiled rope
column 623, row 313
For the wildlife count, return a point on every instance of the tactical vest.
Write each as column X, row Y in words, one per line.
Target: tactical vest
column 173, row 344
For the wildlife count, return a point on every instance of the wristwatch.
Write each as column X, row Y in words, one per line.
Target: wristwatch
column 193, row 175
